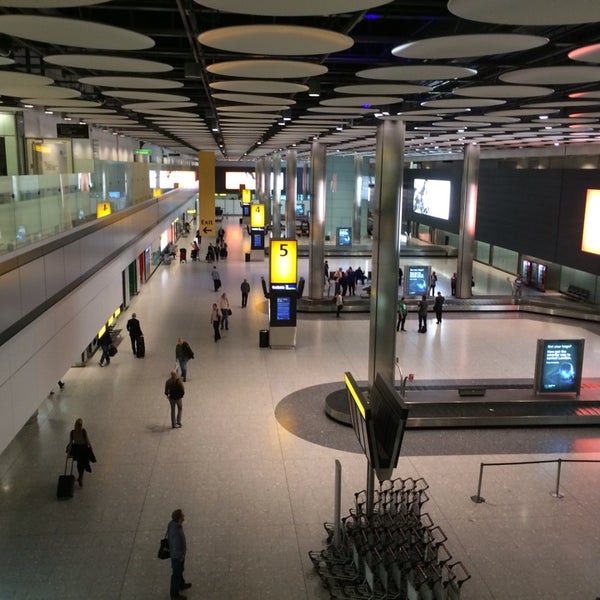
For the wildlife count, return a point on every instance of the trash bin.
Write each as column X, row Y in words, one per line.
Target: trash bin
column 263, row 338
column 241, row 220
column 247, row 256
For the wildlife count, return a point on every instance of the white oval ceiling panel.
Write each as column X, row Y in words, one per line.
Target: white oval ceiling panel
column 463, row 46
column 502, row 91
column 267, row 69
column 149, row 96
column 409, row 117
column 65, row 105
column 417, row 73
column 73, row 32
column 553, row 75
column 253, row 86
column 144, row 106
column 251, row 115
column 8, row 78
column 381, row 89
column 165, row 113
column 361, row 101
column 524, row 112
column 586, row 54
column 463, row 103
column 107, row 63
column 276, row 40
column 527, row 12
column 250, row 108
column 38, row 91
column 49, row 3
column 341, row 111
column 136, row 83
column 255, row 99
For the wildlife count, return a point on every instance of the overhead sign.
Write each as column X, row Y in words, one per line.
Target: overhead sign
column 246, row 196
column 72, row 130
column 103, row 209
column 257, row 215
column 283, row 258
column 206, row 193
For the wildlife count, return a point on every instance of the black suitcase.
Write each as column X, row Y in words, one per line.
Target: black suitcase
column 140, row 347
column 66, row 483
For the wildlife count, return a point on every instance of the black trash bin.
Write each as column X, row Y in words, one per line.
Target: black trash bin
column 247, row 256
column 263, row 338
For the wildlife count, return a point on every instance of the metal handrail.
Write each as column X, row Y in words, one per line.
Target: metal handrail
column 478, row 498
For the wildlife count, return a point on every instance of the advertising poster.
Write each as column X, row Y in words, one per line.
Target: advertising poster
column 560, row 364
column 416, row 280
column 344, row 236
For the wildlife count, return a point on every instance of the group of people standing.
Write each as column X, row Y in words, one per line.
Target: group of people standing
column 344, row 282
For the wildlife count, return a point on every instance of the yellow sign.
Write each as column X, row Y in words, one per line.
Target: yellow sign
column 590, row 241
column 283, row 261
column 206, row 193
column 103, row 209
column 246, row 196
column 257, row 215
column 355, row 396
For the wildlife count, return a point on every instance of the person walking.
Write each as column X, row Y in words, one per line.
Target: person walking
column 105, row 342
column 215, row 320
column 518, row 287
column 183, row 353
column 453, row 284
column 135, row 332
column 339, row 304
column 225, row 310
column 437, row 307
column 216, row 278
column 174, row 391
column 245, row 289
column 422, row 312
column 402, row 311
column 79, row 449
column 178, row 550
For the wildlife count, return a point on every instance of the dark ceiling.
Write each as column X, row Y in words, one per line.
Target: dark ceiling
column 175, row 24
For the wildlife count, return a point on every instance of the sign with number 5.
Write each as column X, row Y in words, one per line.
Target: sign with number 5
column 283, row 261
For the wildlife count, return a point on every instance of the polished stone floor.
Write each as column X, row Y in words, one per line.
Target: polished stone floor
column 253, row 465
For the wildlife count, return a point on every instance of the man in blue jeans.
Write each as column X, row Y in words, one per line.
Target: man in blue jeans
column 178, row 549
column 183, row 353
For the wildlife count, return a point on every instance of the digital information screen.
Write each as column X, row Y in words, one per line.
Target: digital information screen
column 257, row 240
column 245, row 210
column 416, row 280
column 283, row 308
column 432, row 198
column 344, row 236
column 558, row 366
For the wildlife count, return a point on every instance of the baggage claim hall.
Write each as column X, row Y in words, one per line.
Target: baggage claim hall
column 323, row 452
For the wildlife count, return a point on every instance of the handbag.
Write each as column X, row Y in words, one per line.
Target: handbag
column 112, row 351
column 164, row 551
column 229, row 312
column 90, row 455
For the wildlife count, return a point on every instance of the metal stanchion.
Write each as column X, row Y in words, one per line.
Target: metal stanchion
column 337, row 509
column 478, row 498
column 556, row 493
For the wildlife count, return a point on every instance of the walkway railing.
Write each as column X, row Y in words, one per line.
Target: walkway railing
column 478, row 498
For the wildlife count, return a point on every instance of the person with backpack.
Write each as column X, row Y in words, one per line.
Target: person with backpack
column 402, row 310
column 183, row 353
column 174, row 391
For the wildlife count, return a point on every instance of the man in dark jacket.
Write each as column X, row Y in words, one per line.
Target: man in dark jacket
column 183, row 353
column 178, row 549
column 422, row 311
column 135, row 332
column 245, row 289
column 174, row 391
column 105, row 342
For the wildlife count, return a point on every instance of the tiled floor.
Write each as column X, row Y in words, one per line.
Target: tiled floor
column 255, row 487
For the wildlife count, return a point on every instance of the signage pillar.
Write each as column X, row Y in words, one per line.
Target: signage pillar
column 387, row 211
column 283, row 269
column 467, row 220
column 257, row 232
column 206, row 193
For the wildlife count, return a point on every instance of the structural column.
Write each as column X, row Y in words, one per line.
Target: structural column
column 291, row 193
column 268, row 198
column 276, row 204
column 467, row 220
column 387, row 211
column 358, row 186
column 317, row 221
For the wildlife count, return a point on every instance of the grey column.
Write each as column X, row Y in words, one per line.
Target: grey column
column 387, row 210
column 268, row 191
column 305, row 183
column 316, row 257
column 291, row 193
column 467, row 219
column 276, row 204
column 358, row 181
column 260, row 180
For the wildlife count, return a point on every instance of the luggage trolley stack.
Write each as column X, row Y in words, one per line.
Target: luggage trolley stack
column 395, row 553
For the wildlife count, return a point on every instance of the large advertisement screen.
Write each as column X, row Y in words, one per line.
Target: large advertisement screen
column 416, row 280
column 432, row 198
column 559, row 366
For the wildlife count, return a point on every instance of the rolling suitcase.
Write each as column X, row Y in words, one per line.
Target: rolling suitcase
column 140, row 347
column 66, row 483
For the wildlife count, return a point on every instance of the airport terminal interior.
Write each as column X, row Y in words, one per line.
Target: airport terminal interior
column 253, row 464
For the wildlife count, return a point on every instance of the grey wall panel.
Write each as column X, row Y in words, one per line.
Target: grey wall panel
column 73, row 261
column 10, row 299
column 54, row 272
column 33, row 285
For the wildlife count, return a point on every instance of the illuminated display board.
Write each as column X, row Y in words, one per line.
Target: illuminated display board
column 558, row 366
column 257, row 215
column 246, row 196
column 257, row 239
column 360, row 413
column 432, row 198
column 590, row 240
column 245, row 210
column 283, row 258
column 416, row 280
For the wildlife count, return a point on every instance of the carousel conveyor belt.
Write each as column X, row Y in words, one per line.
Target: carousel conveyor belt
column 487, row 403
